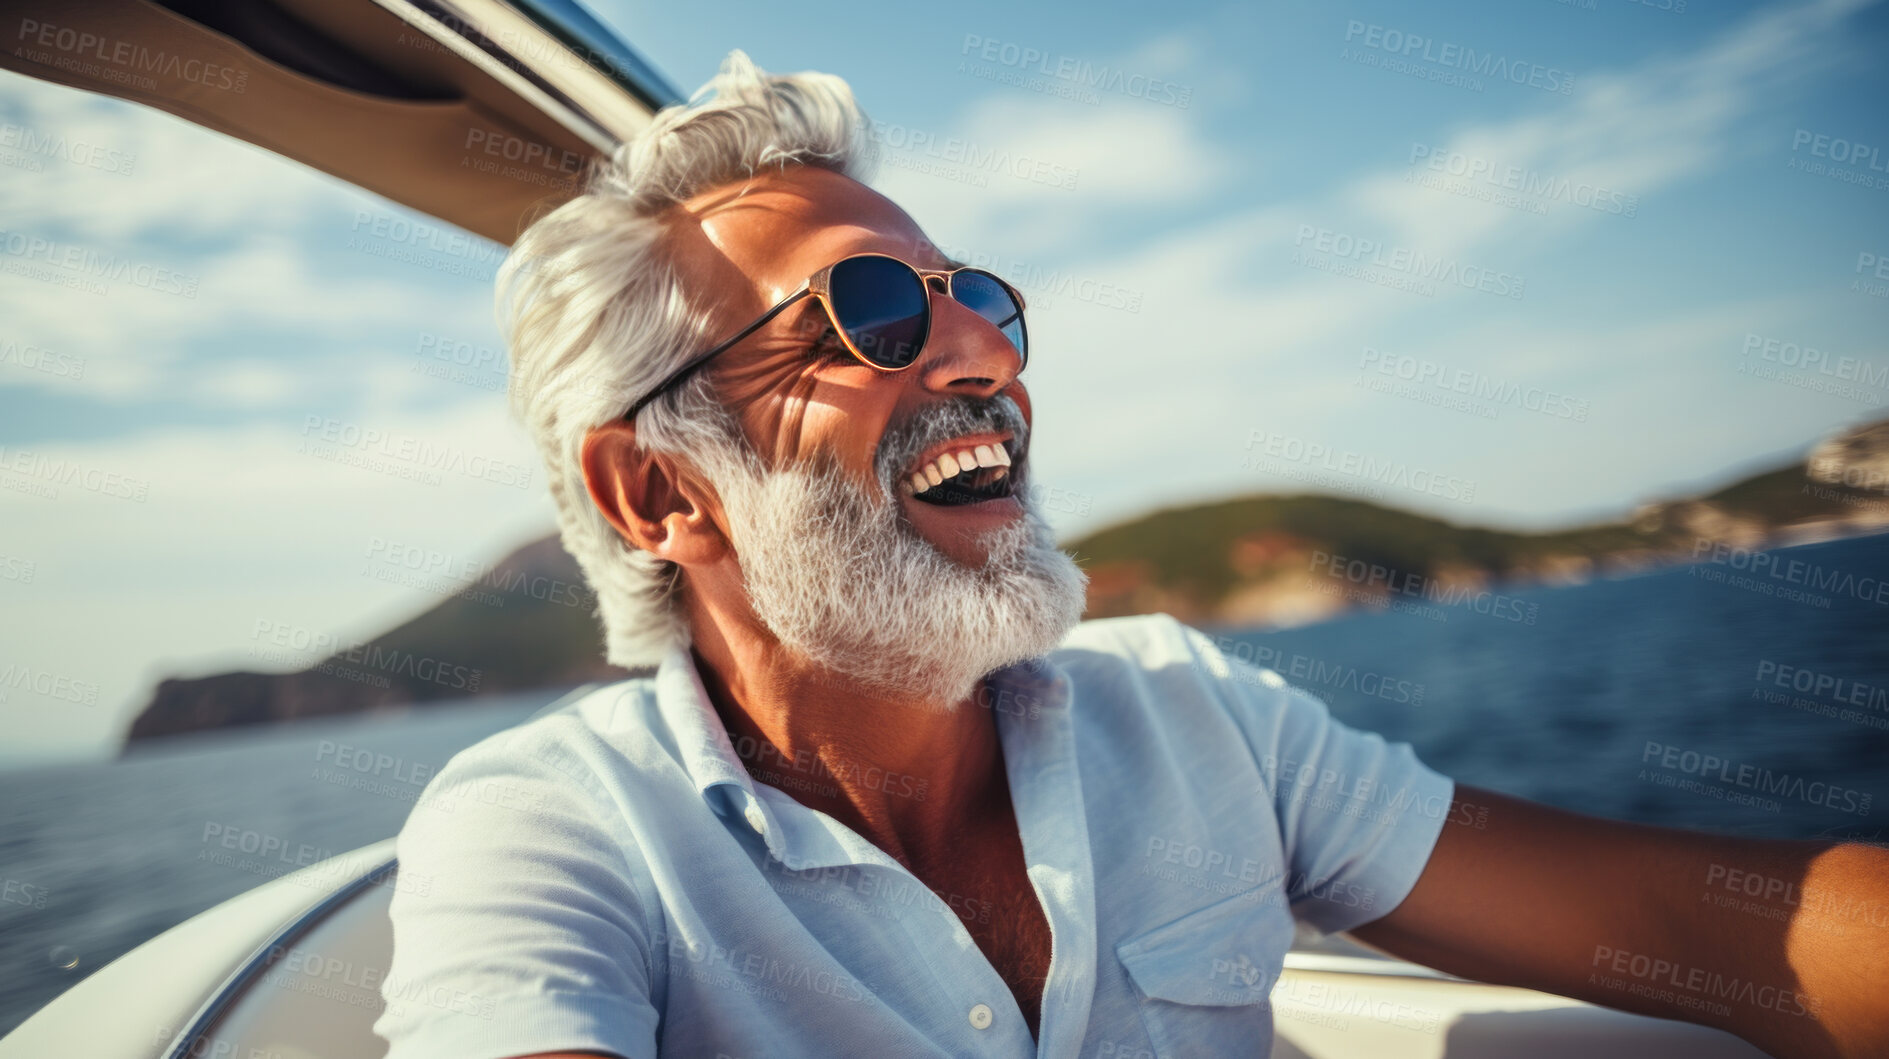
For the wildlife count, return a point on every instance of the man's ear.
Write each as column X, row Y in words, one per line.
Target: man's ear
column 657, row 506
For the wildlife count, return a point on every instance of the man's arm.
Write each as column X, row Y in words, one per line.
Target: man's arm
column 522, row 927
column 1784, row 943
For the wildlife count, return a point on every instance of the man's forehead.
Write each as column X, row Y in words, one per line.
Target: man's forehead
column 779, row 228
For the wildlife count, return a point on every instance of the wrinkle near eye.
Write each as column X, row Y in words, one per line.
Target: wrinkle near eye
column 770, row 396
column 795, row 400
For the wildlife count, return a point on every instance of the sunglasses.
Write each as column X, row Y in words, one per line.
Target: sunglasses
column 880, row 309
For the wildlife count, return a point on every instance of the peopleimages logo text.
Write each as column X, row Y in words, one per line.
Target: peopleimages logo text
column 1458, row 57
column 1076, row 71
column 1472, row 384
column 81, row 48
column 1528, row 181
column 94, row 264
column 1838, row 149
column 1827, row 686
column 1793, row 571
column 1268, row 445
column 1697, row 987
column 1416, row 264
column 1394, row 582
column 956, row 150
column 1755, row 778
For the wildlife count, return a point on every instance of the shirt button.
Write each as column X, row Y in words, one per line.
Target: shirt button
column 980, row 1017
column 755, row 818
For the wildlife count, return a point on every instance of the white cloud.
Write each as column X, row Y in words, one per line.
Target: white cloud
column 258, row 245
column 270, row 288
column 251, row 384
column 1029, row 173
column 177, row 178
column 1130, row 418
column 1635, row 132
column 238, row 526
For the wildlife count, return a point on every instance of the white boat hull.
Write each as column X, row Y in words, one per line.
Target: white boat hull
column 293, row 970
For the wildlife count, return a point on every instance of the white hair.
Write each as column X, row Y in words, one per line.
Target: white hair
column 595, row 316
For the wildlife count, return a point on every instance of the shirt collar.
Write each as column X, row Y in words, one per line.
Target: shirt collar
column 1023, row 696
column 702, row 741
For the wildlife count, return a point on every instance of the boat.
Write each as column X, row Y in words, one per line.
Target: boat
column 475, row 112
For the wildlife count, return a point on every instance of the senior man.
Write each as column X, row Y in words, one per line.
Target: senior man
column 884, row 794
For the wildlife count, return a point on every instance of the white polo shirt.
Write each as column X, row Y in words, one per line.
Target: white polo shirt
column 610, row 878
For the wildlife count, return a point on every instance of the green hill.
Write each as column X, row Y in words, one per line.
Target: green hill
column 1262, row 558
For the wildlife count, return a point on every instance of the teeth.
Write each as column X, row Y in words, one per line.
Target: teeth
column 950, row 465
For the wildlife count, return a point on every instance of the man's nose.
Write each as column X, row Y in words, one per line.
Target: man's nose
column 965, row 353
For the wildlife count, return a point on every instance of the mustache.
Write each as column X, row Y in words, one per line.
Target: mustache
column 947, row 419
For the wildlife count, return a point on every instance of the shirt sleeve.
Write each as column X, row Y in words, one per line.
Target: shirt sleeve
column 517, row 926
column 1358, row 816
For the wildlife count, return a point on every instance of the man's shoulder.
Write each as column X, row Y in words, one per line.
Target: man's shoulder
column 1142, row 641
column 574, row 739
column 1132, row 634
column 1157, row 663
column 526, row 790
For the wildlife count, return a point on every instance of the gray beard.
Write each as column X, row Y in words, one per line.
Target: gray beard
column 839, row 577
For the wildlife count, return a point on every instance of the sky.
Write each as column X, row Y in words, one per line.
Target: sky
column 1521, row 264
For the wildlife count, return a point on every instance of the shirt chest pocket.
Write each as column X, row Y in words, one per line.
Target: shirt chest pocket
column 1204, row 980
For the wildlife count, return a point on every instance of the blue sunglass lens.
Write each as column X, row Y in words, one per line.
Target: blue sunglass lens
column 984, row 295
column 884, row 308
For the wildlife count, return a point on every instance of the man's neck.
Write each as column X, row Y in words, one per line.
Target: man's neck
column 909, row 776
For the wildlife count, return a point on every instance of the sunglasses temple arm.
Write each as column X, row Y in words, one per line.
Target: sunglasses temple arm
column 684, row 371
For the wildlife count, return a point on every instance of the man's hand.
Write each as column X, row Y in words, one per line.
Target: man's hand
column 1784, row 943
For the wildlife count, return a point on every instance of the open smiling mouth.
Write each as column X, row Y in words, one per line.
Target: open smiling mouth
column 969, row 476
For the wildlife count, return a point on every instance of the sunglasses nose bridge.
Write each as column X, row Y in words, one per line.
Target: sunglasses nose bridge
column 976, row 360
